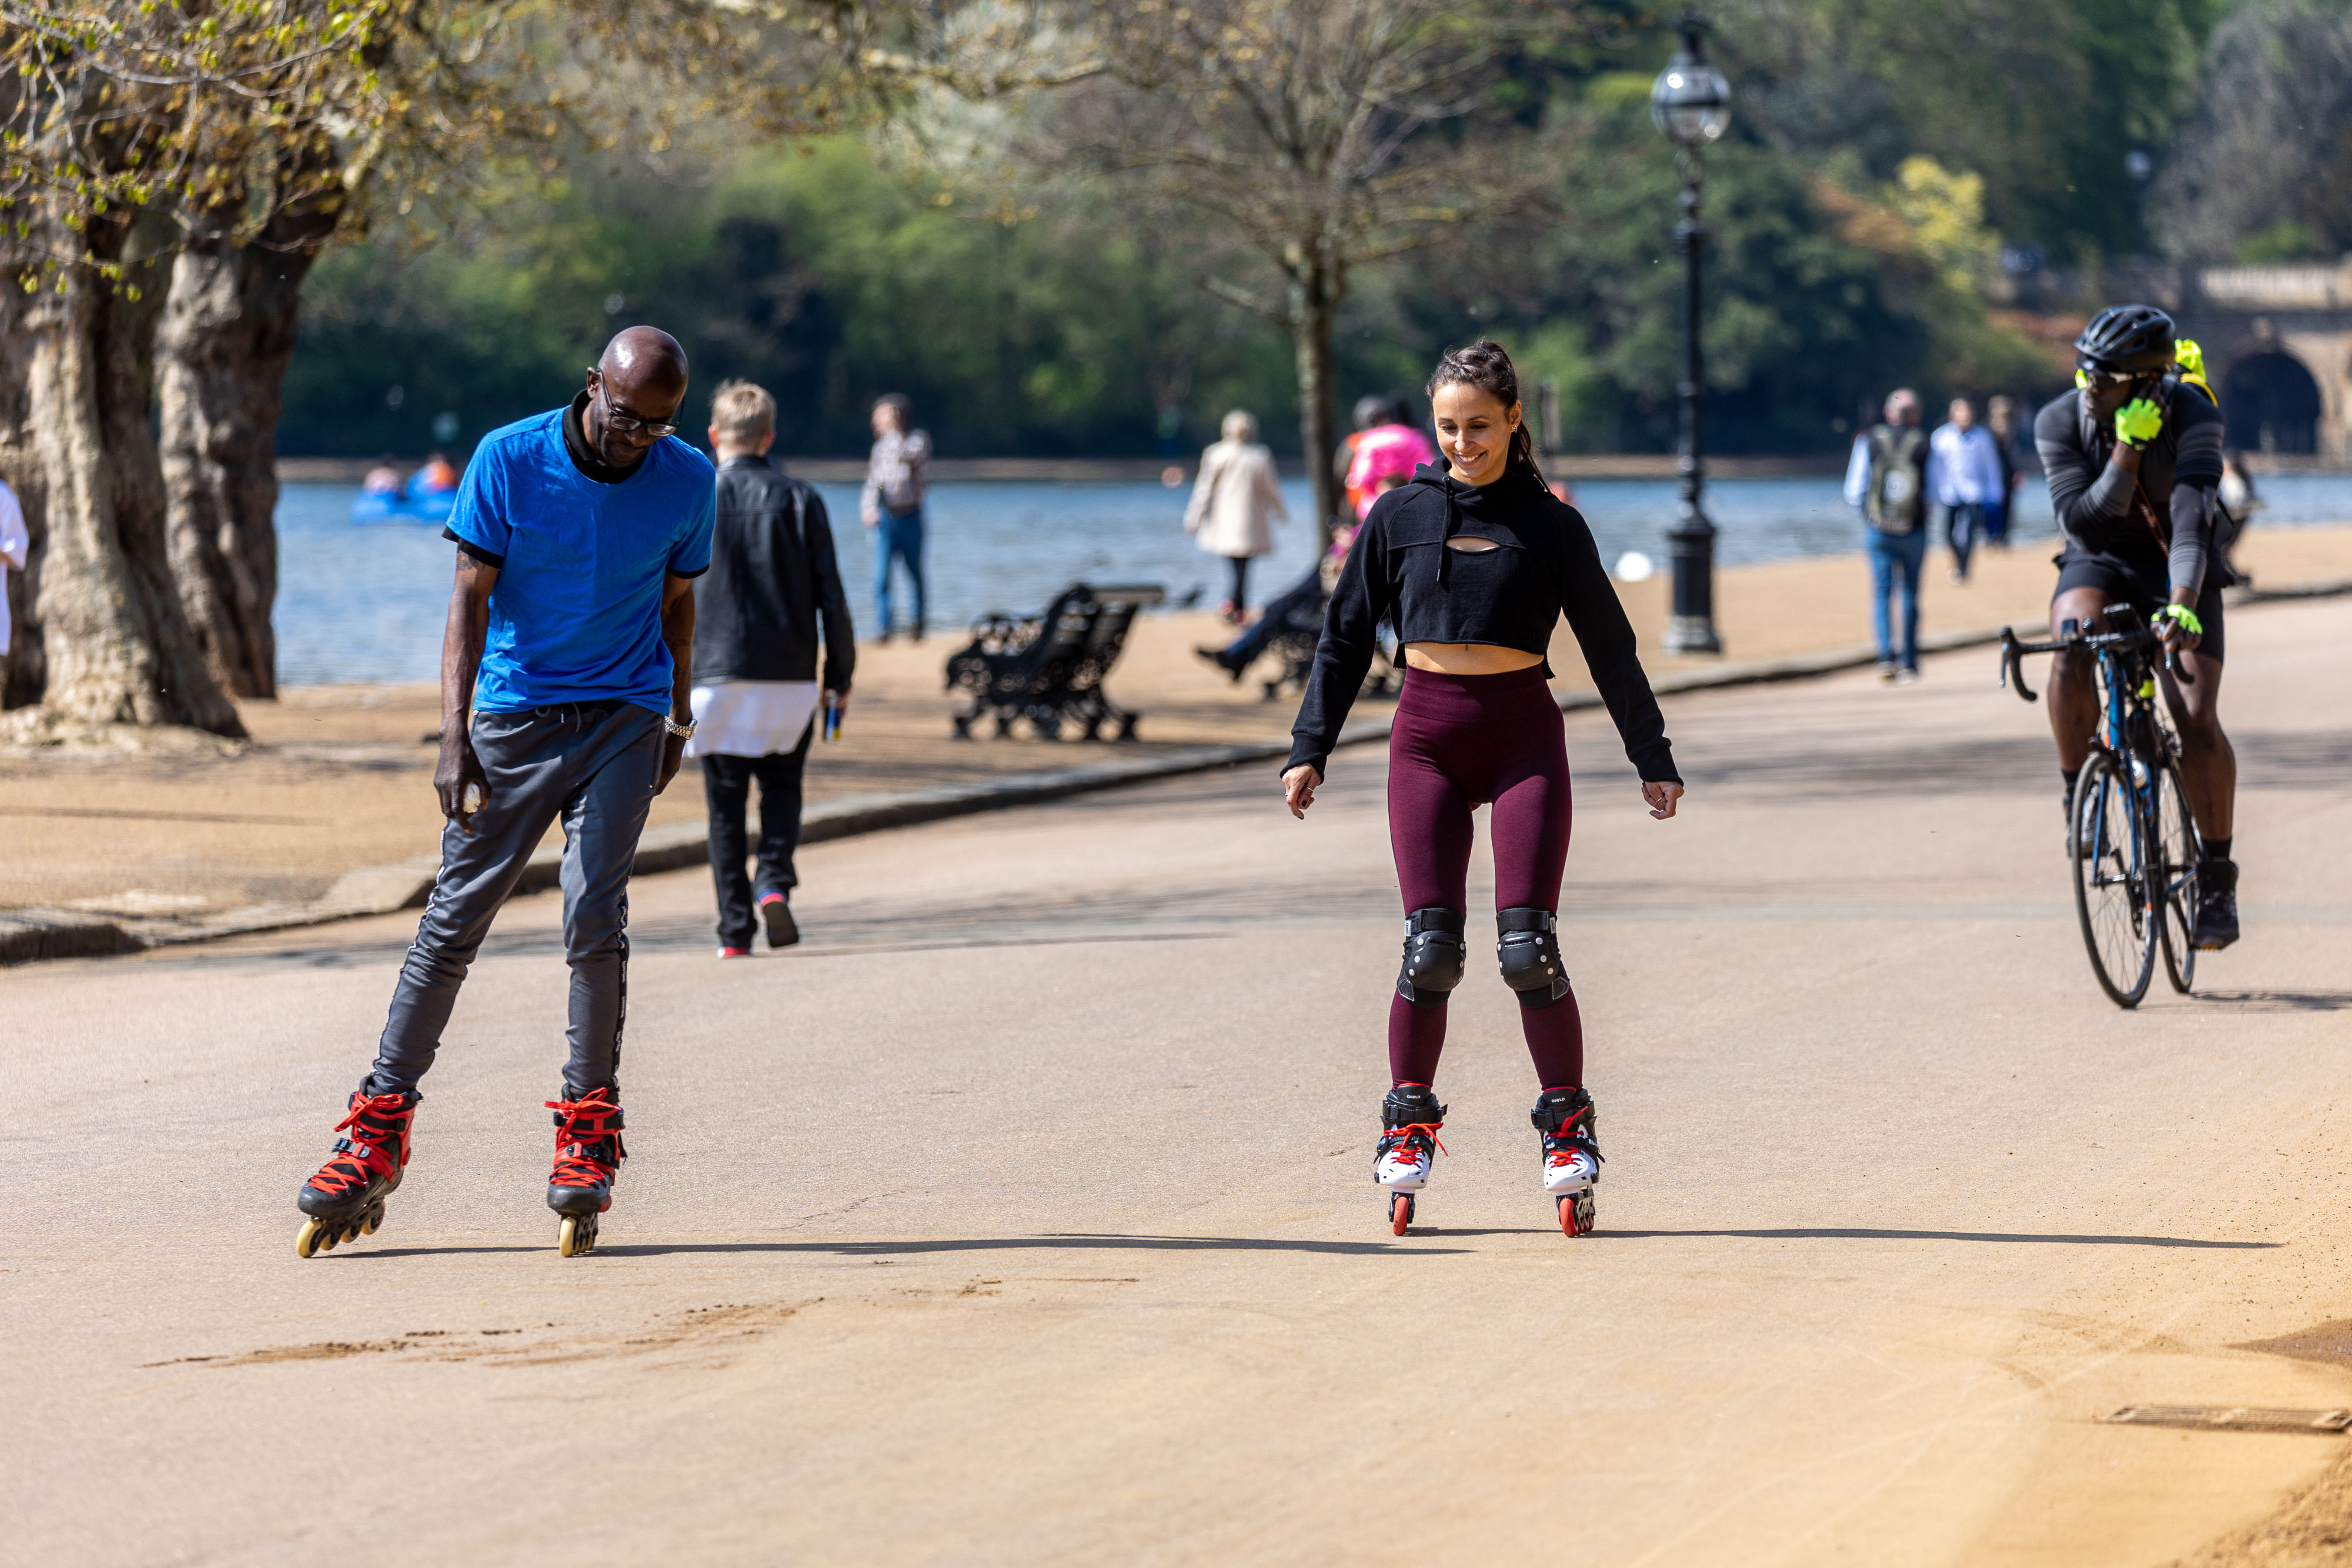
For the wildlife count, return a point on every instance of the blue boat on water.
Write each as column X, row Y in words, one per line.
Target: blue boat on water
column 426, row 496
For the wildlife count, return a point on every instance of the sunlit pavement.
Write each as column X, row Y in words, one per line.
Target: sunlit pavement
column 1024, row 1214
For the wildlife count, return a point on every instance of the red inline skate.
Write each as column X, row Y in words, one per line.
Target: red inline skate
column 588, row 1156
column 345, row 1199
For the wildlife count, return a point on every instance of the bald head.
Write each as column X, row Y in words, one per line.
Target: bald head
column 643, row 358
column 638, row 383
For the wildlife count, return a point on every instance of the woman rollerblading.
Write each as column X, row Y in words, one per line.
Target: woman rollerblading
column 1476, row 562
column 588, row 1156
column 1410, row 1118
column 345, row 1199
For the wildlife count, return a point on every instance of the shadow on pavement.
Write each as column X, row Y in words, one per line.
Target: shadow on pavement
column 1827, row 1233
column 971, row 1244
column 2280, row 1002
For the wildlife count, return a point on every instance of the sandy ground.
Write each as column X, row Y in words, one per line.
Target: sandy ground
column 1021, row 1215
column 341, row 775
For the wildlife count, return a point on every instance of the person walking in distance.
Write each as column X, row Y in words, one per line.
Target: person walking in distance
column 897, row 477
column 2134, row 458
column 1885, row 484
column 1233, row 501
column 1964, row 478
column 15, row 547
column 1476, row 562
column 772, row 591
column 570, row 644
column 2001, row 422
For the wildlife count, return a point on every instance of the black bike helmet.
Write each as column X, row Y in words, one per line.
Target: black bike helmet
column 2128, row 340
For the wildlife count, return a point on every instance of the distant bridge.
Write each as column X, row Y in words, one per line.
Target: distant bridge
column 2278, row 347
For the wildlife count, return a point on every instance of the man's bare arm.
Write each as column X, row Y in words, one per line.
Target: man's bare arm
column 678, row 632
column 461, row 662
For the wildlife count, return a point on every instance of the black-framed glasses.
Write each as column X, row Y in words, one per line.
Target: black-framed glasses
column 629, row 423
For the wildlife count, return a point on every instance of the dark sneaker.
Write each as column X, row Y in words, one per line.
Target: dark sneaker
column 776, row 914
column 1225, row 667
column 2217, row 904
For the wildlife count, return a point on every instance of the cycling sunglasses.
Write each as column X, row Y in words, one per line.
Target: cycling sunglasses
column 2106, row 378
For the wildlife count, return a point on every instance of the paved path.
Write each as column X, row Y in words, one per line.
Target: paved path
column 1022, row 1215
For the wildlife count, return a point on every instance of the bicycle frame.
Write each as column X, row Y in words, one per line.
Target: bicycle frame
column 2142, row 752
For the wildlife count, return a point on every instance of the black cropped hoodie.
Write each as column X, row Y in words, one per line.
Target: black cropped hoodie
column 1511, row 597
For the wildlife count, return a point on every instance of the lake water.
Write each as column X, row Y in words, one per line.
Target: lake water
column 365, row 602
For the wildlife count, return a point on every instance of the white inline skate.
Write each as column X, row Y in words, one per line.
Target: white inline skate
column 1571, row 1155
column 1410, row 1118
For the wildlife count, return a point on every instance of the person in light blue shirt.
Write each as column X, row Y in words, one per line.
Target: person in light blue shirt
column 565, row 674
column 1964, row 477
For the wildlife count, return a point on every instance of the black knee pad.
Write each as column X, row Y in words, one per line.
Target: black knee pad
column 1435, row 955
column 1528, row 948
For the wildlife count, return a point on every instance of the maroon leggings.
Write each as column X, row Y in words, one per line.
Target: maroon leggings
column 1462, row 741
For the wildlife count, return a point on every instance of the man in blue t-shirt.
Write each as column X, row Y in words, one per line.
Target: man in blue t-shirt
column 570, row 643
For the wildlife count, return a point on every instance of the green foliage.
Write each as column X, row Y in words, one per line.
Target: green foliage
column 2044, row 99
column 824, row 279
column 2284, row 241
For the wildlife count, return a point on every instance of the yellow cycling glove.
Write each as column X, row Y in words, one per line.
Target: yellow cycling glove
column 2181, row 616
column 2138, row 421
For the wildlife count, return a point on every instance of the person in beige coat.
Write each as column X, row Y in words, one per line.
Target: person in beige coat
column 1233, row 501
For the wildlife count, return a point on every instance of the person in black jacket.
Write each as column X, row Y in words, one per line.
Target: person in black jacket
column 1476, row 562
column 773, row 586
column 2134, row 459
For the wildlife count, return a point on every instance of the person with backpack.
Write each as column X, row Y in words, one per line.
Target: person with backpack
column 772, row 592
column 2133, row 458
column 1886, row 484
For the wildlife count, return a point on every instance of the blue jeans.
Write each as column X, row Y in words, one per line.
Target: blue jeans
column 1992, row 525
column 593, row 766
column 899, row 535
column 1894, row 557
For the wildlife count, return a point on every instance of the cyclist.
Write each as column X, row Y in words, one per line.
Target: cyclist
column 2134, row 459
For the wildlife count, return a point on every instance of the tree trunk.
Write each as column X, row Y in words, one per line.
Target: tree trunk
column 116, row 648
column 1316, row 288
column 21, row 470
column 226, row 338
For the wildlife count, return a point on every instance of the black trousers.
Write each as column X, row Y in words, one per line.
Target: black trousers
column 727, row 787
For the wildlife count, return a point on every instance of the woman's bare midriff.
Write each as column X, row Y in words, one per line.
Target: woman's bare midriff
column 1467, row 658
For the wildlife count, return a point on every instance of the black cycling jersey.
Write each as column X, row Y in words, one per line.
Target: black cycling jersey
column 2165, row 519
column 1510, row 597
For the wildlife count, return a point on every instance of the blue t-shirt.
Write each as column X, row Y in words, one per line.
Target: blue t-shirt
column 576, row 614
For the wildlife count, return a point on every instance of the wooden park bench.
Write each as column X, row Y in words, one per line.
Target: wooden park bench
column 1049, row 668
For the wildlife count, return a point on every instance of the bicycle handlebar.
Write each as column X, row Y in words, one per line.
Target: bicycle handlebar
column 2013, row 652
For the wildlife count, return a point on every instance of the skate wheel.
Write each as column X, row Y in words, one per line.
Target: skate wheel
column 576, row 1236
column 1576, row 1213
column 1400, row 1212
column 329, row 1236
column 306, row 1245
column 374, row 1222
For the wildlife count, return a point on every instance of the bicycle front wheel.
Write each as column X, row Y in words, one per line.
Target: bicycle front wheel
column 2174, row 869
column 2111, row 881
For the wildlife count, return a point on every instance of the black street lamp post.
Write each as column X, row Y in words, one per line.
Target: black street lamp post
column 1691, row 103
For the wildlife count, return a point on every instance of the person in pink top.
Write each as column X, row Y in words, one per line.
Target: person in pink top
column 1386, row 455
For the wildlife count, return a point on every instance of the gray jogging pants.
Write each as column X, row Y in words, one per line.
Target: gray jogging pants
column 593, row 764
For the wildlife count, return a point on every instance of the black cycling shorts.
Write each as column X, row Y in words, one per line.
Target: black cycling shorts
column 2144, row 589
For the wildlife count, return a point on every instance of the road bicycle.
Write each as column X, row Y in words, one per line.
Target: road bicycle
column 2130, row 837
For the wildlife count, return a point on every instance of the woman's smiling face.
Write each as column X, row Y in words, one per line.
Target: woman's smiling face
column 1474, row 431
